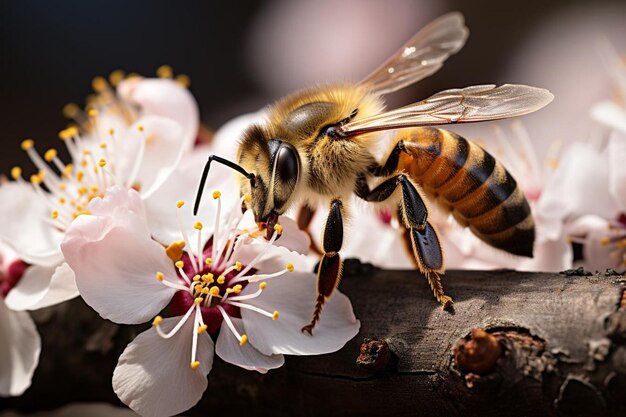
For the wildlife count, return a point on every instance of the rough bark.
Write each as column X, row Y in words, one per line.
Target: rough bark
column 553, row 345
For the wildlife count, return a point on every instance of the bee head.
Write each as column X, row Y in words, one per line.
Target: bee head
column 276, row 166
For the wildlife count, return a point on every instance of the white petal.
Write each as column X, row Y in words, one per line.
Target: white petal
column 610, row 114
column 42, row 286
column 274, row 259
column 617, row 167
column 27, row 232
column 293, row 296
column 183, row 185
column 247, row 357
column 163, row 150
column 593, row 230
column 153, row 376
column 549, row 256
column 166, row 98
column 118, row 199
column 116, row 267
column 578, row 187
column 226, row 140
column 293, row 238
column 20, row 346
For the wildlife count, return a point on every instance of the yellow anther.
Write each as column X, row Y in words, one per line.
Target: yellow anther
column 278, row 228
column 36, row 179
column 197, row 225
column 244, row 340
column 27, row 144
column 238, row 266
column 214, row 291
column 99, row 84
column 86, row 152
column 263, row 285
column 247, row 198
column 157, row 320
column 79, row 176
column 205, row 291
column 63, row 135
column 16, row 172
column 70, row 110
column 236, row 289
column 183, row 80
column 164, row 71
column 180, row 203
column 202, row 329
column 102, row 162
column 62, row 186
column 72, row 131
column 92, row 113
column 194, row 365
column 216, row 194
column 198, row 300
column 208, row 261
column 290, row 267
column 54, row 214
column 140, row 128
column 221, row 279
column 179, row 264
column 61, row 200
column 160, row 276
column 67, row 171
column 208, row 278
column 116, row 77
column 82, row 190
column 604, row 241
column 103, row 145
column 84, row 163
column 275, row 315
column 50, row 155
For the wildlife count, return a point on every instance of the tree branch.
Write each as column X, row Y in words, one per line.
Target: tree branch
column 554, row 345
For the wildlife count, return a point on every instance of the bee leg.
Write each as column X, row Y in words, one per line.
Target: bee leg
column 425, row 244
column 391, row 164
column 428, row 258
column 329, row 270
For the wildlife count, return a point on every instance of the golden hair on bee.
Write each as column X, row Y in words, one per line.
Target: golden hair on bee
column 317, row 145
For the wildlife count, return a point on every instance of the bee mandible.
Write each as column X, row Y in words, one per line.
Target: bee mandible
column 317, row 146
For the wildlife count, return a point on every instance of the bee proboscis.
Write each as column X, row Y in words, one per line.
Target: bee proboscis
column 316, row 145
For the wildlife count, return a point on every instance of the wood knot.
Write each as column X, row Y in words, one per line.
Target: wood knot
column 375, row 355
column 479, row 354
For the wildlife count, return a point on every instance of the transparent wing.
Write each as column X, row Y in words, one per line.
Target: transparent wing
column 421, row 56
column 459, row 105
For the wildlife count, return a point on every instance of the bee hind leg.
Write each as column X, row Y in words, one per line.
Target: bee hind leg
column 428, row 257
column 424, row 242
column 330, row 267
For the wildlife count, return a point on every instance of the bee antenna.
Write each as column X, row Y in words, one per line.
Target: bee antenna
column 205, row 174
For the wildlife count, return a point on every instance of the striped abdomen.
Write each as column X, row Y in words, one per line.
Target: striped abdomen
column 473, row 184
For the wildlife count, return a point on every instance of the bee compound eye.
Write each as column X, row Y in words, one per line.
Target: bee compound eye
column 287, row 164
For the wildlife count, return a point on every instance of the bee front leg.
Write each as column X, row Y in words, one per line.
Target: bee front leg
column 425, row 244
column 329, row 270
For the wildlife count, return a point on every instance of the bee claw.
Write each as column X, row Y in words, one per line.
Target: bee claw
column 308, row 329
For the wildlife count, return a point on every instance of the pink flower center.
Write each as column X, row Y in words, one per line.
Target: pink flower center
column 183, row 300
column 11, row 276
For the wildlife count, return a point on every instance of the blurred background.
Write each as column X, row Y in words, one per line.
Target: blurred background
column 242, row 55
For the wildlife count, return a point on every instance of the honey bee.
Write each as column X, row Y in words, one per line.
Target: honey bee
column 316, row 145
